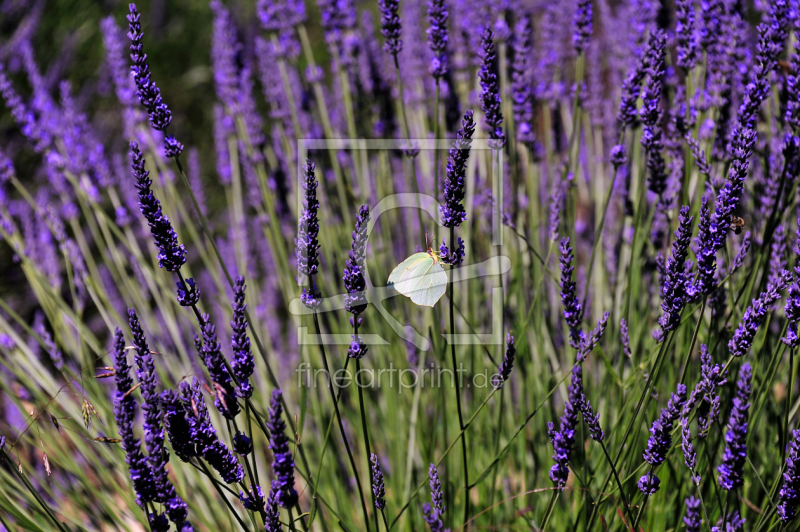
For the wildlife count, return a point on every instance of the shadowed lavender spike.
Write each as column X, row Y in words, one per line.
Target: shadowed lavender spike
column 692, row 519
column 243, row 363
column 171, row 254
column 452, row 212
column 490, row 91
column 731, row 470
column 661, row 439
column 790, row 490
column 377, row 483
column 754, row 316
column 148, row 93
column 124, row 414
column 282, row 463
column 391, row 27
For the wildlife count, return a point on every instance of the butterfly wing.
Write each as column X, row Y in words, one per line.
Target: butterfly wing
column 420, row 278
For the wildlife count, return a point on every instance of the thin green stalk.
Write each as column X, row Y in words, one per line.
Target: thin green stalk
column 436, row 139
column 204, row 467
column 788, row 406
column 338, row 417
column 364, row 426
column 32, row 491
column 458, row 389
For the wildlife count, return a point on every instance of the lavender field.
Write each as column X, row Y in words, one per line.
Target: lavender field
column 399, row 265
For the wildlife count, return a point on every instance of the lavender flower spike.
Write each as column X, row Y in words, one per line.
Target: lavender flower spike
column 272, row 520
column 792, row 311
column 283, row 463
column 573, row 311
column 377, row 483
column 661, row 439
column 204, row 436
column 211, row 352
column 307, row 242
column 592, row 420
column 583, row 26
column 148, row 93
column 790, row 490
column 692, row 519
column 437, row 37
column 490, row 91
column 673, row 290
column 171, row 254
column 754, row 316
column 153, row 431
column 243, row 364
column 355, row 302
column 732, row 466
column 521, row 86
column 685, row 36
column 563, row 439
column 125, row 414
column 433, row 512
column 391, row 27
column 452, row 212
column 504, row 371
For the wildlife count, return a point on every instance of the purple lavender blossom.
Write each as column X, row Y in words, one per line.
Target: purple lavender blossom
column 731, row 470
column 521, row 86
column 433, row 517
column 705, row 392
column 153, row 431
column 171, row 254
column 673, row 290
column 563, row 439
column 437, row 37
column 455, row 257
column 243, row 363
column 770, row 45
column 272, row 519
column 355, row 302
column 177, row 425
column 490, row 91
column 204, row 436
column 626, row 341
column 754, row 316
column 582, row 23
column 125, row 414
column 713, row 229
column 792, row 311
column 790, row 490
column 592, row 420
column 280, row 15
column 777, row 255
column 282, row 463
column 452, row 212
column 573, row 311
column 738, row 260
column 391, row 27
column 689, row 453
column 652, row 114
column 307, row 251
column 242, row 444
column 148, row 93
column 661, row 439
column 433, row 512
column 693, row 519
column 214, row 360
column 685, row 34
column 377, row 482
column 504, row 371
column 225, row 49
column 188, row 292
column 254, row 499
